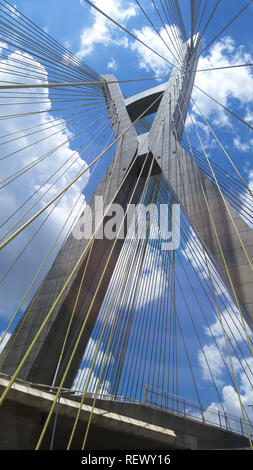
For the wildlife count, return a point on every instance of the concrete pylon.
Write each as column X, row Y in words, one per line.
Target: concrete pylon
column 175, row 164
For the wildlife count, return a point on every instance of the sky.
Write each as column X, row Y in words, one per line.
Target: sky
column 110, row 51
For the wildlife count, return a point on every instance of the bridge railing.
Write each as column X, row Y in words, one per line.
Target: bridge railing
column 195, row 411
column 179, row 406
column 168, row 402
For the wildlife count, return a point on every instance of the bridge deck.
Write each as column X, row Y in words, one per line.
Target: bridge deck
column 128, row 426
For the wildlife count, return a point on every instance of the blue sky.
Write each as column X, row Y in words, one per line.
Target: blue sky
column 78, row 27
column 108, row 50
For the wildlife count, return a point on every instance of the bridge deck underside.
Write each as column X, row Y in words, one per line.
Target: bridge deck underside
column 127, row 425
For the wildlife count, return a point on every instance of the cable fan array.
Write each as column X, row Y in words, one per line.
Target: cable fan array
column 168, row 317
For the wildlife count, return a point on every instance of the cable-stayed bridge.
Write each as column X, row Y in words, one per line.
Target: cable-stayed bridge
column 151, row 249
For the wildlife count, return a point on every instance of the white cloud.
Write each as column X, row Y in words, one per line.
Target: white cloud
column 91, row 349
column 217, row 358
column 242, row 146
column 249, row 116
column 202, row 262
column 5, row 340
column 112, row 64
column 12, row 9
column 232, row 324
column 223, row 85
column 250, row 180
column 211, row 356
column 84, row 369
column 102, row 30
column 82, row 377
column 219, row 361
column 147, row 59
column 14, row 286
column 231, row 404
column 67, row 44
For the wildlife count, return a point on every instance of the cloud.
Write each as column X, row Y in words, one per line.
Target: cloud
column 112, row 64
column 90, row 352
column 249, row 116
column 84, row 369
column 4, row 342
column 211, row 356
column 82, row 377
column 14, row 286
column 242, row 146
column 193, row 252
column 231, row 404
column 147, row 59
column 67, row 44
column 12, row 10
column 103, row 31
column 217, row 358
column 223, row 85
column 218, row 361
column 232, row 325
